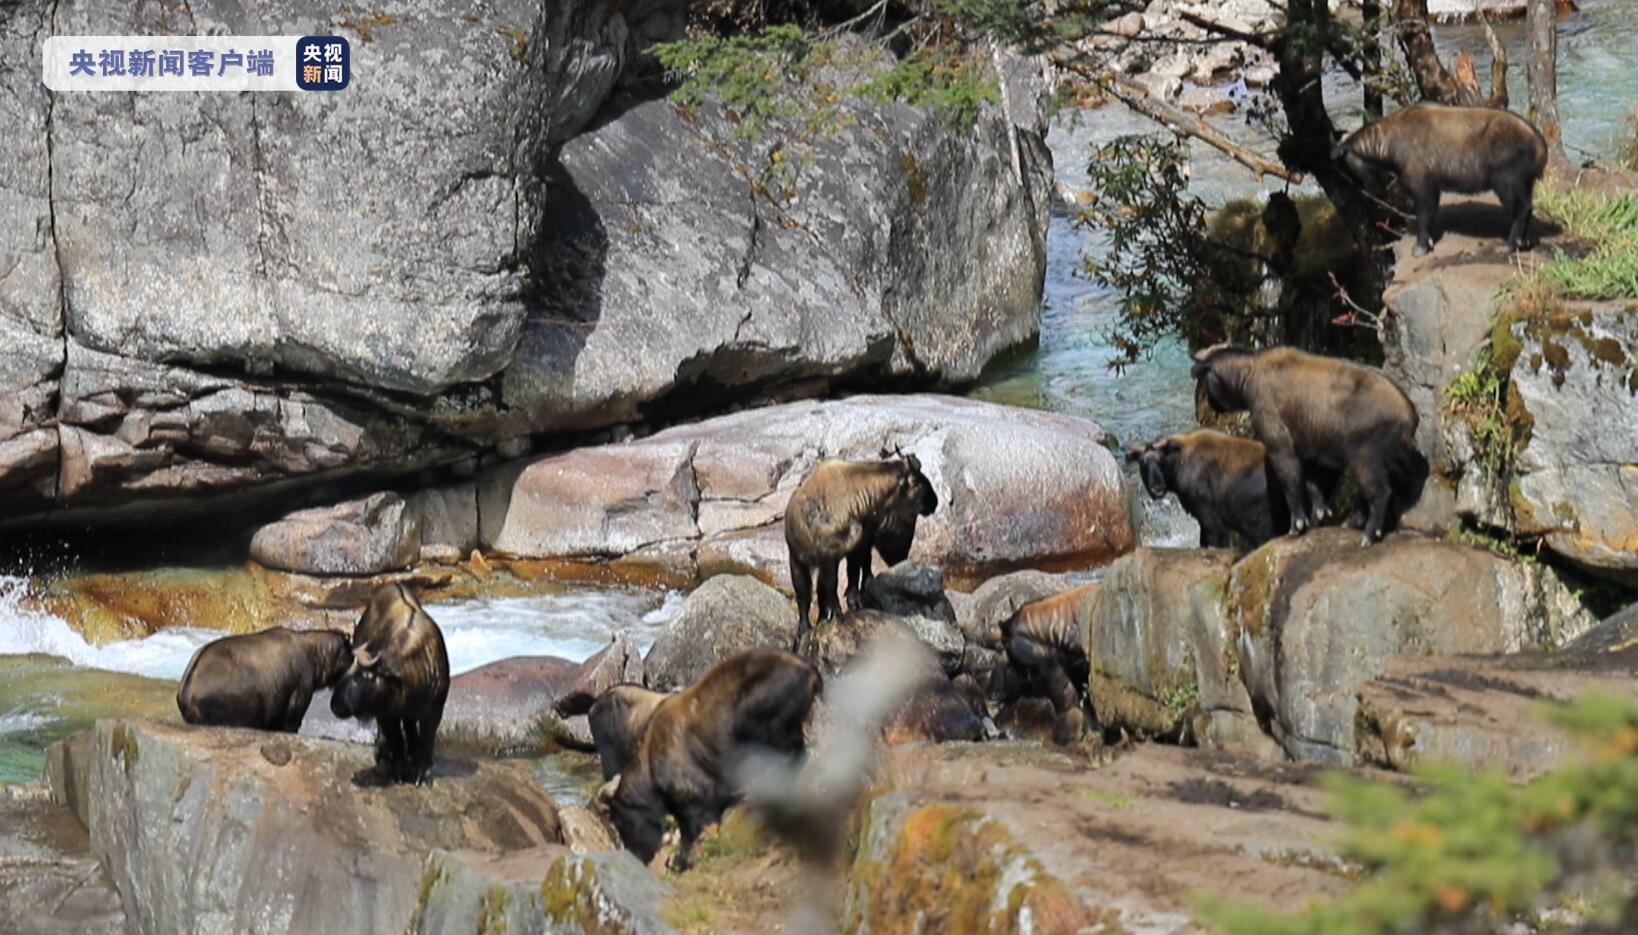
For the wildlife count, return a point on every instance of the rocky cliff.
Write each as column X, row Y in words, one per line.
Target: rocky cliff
column 485, row 238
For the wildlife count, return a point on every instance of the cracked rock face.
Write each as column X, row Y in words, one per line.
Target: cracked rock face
column 223, row 294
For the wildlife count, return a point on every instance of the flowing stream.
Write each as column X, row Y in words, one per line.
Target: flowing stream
column 52, row 682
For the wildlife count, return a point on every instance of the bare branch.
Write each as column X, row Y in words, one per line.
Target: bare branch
column 1356, row 312
column 1189, row 124
column 1260, row 39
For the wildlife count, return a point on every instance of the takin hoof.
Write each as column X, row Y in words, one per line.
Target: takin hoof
column 1421, row 250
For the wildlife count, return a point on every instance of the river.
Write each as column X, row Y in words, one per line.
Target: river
column 53, row 682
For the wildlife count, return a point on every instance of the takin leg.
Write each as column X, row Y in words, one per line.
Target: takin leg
column 858, row 573
column 829, row 604
column 421, row 733
column 1213, row 534
column 1520, row 203
column 1287, row 469
column 390, row 749
column 1427, row 208
column 1372, row 476
column 802, row 584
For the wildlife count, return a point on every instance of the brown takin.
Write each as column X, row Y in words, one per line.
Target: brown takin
column 398, row 677
column 262, row 680
column 1043, row 644
column 617, row 720
column 1435, row 148
column 1223, row 482
column 1318, row 416
column 840, row 511
column 696, row 741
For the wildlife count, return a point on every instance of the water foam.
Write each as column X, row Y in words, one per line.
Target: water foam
column 573, row 624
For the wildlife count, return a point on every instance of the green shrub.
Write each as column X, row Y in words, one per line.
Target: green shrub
column 1472, row 851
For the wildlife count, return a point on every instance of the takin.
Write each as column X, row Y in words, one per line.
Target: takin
column 261, row 680
column 398, row 677
column 1042, row 640
column 1320, row 417
column 1223, row 482
column 695, row 742
column 840, row 511
column 1436, row 148
column 617, row 719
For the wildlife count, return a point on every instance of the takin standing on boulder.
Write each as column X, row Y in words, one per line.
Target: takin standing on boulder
column 841, row 511
column 1318, row 416
column 1436, row 148
column 1042, row 640
column 261, row 680
column 398, row 677
column 697, row 740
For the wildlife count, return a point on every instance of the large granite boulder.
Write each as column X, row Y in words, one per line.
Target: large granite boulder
column 726, row 615
column 1015, row 487
column 235, row 313
column 1315, row 618
column 358, row 537
column 217, row 830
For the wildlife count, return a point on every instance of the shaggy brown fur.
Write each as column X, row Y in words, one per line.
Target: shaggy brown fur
column 617, row 719
column 1043, row 644
column 1316, row 415
column 695, row 741
column 399, row 677
column 1222, row 482
column 263, row 680
column 839, row 512
column 1435, row 148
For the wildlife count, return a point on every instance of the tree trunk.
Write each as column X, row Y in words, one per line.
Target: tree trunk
column 1371, row 52
column 1543, row 27
column 1432, row 79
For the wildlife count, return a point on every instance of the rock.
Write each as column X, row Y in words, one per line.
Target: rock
column 359, row 312
column 980, row 616
column 726, row 615
column 910, row 589
column 610, row 666
column 358, row 537
column 1207, row 101
column 1318, row 616
column 50, row 881
column 546, row 891
column 1130, row 846
column 293, row 843
column 587, row 831
column 506, row 707
column 1015, row 487
column 1162, row 652
column 1484, row 711
column 832, row 644
column 1165, row 87
column 1260, row 75
column 1219, row 58
column 449, row 521
column 1575, row 482
column 935, row 712
column 1129, row 26
column 1615, row 632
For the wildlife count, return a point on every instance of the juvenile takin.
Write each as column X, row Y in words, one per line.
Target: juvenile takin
column 1318, row 416
column 261, row 680
column 1436, row 148
column 844, row 509
column 1223, row 482
column 1042, row 641
column 398, row 677
column 695, row 742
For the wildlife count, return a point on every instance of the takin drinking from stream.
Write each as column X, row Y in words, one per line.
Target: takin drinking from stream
column 1436, row 148
column 1318, row 417
column 844, row 510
